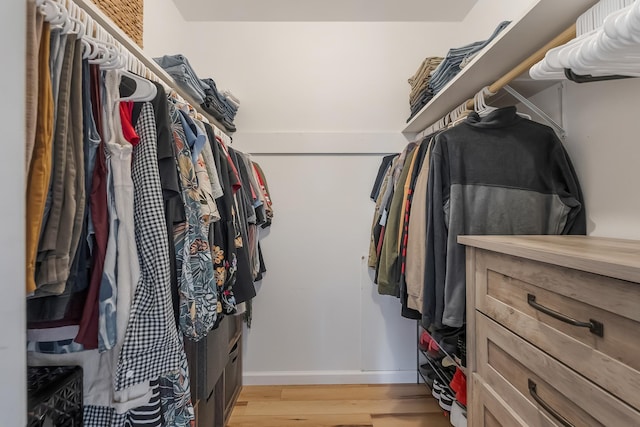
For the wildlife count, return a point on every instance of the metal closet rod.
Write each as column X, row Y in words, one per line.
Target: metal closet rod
column 560, row 39
column 152, row 66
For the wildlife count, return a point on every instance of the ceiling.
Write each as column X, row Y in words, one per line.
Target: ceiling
column 325, row 10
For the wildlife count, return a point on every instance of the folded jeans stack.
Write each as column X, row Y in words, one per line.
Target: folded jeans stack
column 178, row 67
column 222, row 106
column 448, row 68
column 451, row 65
column 419, row 82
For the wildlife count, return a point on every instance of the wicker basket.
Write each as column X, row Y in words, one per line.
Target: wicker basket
column 127, row 14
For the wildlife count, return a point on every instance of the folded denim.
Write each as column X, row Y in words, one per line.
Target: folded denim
column 418, row 106
column 187, row 85
column 192, row 87
column 178, row 67
column 221, row 104
column 212, row 90
column 170, row 61
column 204, row 91
column 217, row 107
column 231, row 98
column 225, row 120
column 420, row 102
column 451, row 65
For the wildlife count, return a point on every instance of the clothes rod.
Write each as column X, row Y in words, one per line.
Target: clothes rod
column 560, row 39
column 99, row 16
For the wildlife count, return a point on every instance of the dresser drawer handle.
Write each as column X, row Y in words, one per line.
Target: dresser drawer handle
column 594, row 326
column 533, row 390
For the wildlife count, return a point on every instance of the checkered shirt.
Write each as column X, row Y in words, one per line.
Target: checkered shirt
column 151, row 345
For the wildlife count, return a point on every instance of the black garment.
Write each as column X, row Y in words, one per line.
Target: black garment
column 402, row 256
column 228, row 229
column 382, row 171
column 501, row 174
column 244, row 288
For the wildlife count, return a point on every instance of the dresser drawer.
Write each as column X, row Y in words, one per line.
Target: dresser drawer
column 528, row 297
column 489, row 409
column 538, row 385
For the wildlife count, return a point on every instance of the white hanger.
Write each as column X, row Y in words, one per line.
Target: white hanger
column 145, row 90
column 480, row 105
column 608, row 43
column 53, row 12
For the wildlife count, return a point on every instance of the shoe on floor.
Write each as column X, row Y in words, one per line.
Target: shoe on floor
column 458, row 417
column 436, row 389
column 446, row 400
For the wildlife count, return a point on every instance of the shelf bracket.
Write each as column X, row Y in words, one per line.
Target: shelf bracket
column 544, row 116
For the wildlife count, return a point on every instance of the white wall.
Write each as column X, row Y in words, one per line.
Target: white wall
column 602, row 142
column 601, row 119
column 13, row 405
column 317, row 318
column 164, row 29
column 485, row 16
column 311, row 90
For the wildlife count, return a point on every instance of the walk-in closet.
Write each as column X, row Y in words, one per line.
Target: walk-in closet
column 274, row 213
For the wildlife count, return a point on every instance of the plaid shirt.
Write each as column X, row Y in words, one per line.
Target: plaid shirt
column 151, row 345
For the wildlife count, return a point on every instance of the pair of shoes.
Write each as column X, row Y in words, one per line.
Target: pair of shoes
column 446, row 400
column 442, row 393
column 424, row 341
column 428, row 374
column 436, row 389
column 459, row 386
column 447, row 338
column 458, row 417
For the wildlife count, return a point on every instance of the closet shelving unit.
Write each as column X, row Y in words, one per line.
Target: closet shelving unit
column 505, row 61
column 101, row 18
column 540, row 23
column 443, row 376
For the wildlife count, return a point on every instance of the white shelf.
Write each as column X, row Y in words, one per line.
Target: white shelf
column 542, row 22
column 101, row 18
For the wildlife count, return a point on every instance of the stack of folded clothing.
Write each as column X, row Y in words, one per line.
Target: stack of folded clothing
column 420, row 93
column 451, row 66
column 178, row 67
column 222, row 106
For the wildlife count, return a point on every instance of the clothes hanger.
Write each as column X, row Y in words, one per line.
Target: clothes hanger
column 145, row 90
column 111, row 58
column 613, row 49
column 87, row 37
column 53, row 12
column 610, row 45
column 480, row 105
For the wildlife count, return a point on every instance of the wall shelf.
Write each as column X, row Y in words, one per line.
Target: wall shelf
column 540, row 23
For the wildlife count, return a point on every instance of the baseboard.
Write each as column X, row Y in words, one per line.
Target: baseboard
column 328, row 377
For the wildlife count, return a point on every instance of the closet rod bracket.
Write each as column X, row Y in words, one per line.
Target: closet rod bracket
column 537, row 110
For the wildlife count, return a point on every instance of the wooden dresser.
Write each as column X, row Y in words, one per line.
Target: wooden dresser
column 553, row 331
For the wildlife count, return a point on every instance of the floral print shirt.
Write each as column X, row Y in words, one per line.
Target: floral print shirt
column 196, row 282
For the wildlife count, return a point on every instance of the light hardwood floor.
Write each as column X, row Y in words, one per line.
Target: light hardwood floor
column 385, row 405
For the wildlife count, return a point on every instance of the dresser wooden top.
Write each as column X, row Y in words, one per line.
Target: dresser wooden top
column 616, row 258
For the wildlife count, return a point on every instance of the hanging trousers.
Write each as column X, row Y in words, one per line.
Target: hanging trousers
column 40, row 168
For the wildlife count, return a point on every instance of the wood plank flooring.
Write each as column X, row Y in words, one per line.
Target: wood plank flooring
column 384, row 405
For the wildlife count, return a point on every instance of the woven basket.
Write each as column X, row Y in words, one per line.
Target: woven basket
column 127, row 14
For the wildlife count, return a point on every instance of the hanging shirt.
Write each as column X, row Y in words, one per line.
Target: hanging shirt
column 416, row 238
column 197, row 289
column 151, row 345
column 500, row 174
